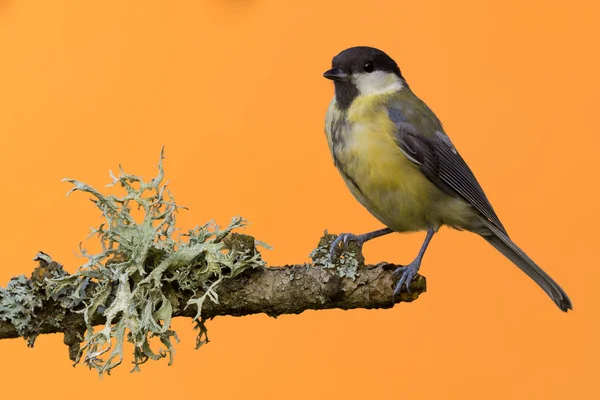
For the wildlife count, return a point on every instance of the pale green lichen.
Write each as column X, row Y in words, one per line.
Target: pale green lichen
column 347, row 259
column 22, row 299
column 130, row 282
column 17, row 306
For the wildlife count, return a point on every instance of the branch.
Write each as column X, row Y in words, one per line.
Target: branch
column 274, row 291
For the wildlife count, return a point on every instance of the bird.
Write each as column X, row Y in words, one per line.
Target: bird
column 398, row 162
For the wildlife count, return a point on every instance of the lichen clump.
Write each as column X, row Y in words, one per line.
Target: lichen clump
column 130, row 284
column 21, row 301
column 347, row 258
column 18, row 304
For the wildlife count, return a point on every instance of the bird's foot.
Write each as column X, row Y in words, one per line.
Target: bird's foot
column 406, row 274
column 345, row 238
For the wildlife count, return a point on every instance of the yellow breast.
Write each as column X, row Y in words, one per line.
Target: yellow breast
column 381, row 178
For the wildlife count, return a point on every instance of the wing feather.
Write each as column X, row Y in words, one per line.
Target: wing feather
column 441, row 163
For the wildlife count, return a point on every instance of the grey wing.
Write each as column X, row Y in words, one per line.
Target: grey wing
column 441, row 164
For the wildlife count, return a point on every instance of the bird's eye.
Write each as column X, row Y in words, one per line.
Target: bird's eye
column 369, row 67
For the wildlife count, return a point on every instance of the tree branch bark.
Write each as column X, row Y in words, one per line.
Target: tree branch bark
column 290, row 289
column 273, row 291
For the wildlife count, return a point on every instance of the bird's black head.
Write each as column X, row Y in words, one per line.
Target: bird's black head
column 361, row 59
column 362, row 70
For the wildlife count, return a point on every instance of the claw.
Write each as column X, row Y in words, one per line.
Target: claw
column 359, row 239
column 409, row 272
column 406, row 276
column 345, row 238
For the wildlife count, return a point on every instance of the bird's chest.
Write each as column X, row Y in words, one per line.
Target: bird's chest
column 365, row 149
column 375, row 170
column 371, row 157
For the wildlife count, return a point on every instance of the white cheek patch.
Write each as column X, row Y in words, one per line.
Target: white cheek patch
column 377, row 82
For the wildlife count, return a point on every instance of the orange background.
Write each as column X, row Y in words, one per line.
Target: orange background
column 234, row 91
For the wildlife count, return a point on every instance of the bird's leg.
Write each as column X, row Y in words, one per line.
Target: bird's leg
column 408, row 272
column 359, row 239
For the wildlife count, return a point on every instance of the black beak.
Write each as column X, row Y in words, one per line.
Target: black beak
column 336, row 74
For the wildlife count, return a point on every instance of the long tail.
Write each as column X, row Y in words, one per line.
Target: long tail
column 504, row 245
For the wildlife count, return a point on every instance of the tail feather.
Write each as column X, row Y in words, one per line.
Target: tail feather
column 504, row 245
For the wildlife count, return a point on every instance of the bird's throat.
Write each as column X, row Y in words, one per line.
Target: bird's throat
column 345, row 93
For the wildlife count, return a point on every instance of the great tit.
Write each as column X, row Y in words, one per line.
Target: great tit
column 393, row 154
